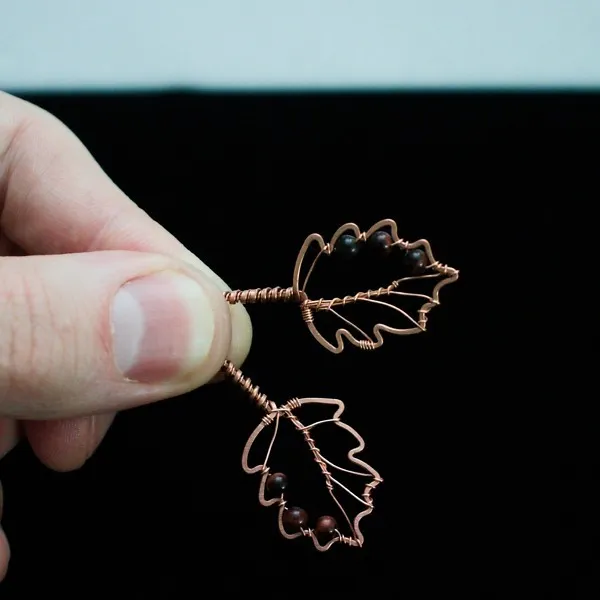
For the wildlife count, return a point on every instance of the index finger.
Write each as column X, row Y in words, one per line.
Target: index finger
column 55, row 199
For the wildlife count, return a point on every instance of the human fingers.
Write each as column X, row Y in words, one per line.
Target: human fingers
column 55, row 199
column 94, row 333
column 4, row 549
column 9, row 435
column 66, row 444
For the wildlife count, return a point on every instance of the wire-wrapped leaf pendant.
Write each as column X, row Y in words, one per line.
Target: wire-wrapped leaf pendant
column 293, row 521
column 348, row 240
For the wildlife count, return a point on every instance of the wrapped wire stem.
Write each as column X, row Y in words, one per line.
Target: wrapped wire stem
column 264, row 295
column 253, row 391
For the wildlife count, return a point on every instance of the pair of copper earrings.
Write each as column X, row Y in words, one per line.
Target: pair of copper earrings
column 293, row 521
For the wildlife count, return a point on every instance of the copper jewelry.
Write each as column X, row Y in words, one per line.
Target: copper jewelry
column 293, row 521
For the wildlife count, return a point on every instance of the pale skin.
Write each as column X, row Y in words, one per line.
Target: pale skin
column 60, row 385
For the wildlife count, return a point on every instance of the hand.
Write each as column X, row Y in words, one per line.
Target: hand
column 101, row 309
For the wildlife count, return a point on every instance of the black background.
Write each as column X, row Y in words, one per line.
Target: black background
column 476, row 426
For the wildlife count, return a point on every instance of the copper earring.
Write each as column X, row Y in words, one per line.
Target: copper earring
column 348, row 239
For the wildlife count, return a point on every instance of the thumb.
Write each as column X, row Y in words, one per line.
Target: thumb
column 103, row 331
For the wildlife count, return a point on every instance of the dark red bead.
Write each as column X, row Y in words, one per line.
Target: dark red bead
column 380, row 242
column 294, row 518
column 346, row 246
column 416, row 260
column 276, row 483
column 325, row 526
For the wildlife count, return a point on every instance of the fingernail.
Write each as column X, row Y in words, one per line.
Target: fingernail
column 163, row 327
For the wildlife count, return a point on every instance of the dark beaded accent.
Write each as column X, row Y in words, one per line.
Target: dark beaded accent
column 276, row 483
column 380, row 242
column 294, row 518
column 416, row 260
column 346, row 246
column 325, row 526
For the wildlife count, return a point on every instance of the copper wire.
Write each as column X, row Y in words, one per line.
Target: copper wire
column 435, row 269
column 356, row 538
column 297, row 292
column 323, row 304
column 307, row 313
column 253, row 391
column 263, row 295
column 273, row 414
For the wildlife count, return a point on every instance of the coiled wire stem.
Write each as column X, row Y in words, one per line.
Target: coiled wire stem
column 245, row 383
column 264, row 295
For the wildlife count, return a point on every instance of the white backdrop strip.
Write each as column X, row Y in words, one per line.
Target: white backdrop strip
column 286, row 44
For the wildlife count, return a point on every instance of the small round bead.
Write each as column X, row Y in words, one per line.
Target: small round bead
column 346, row 246
column 416, row 260
column 294, row 518
column 325, row 526
column 381, row 242
column 276, row 483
